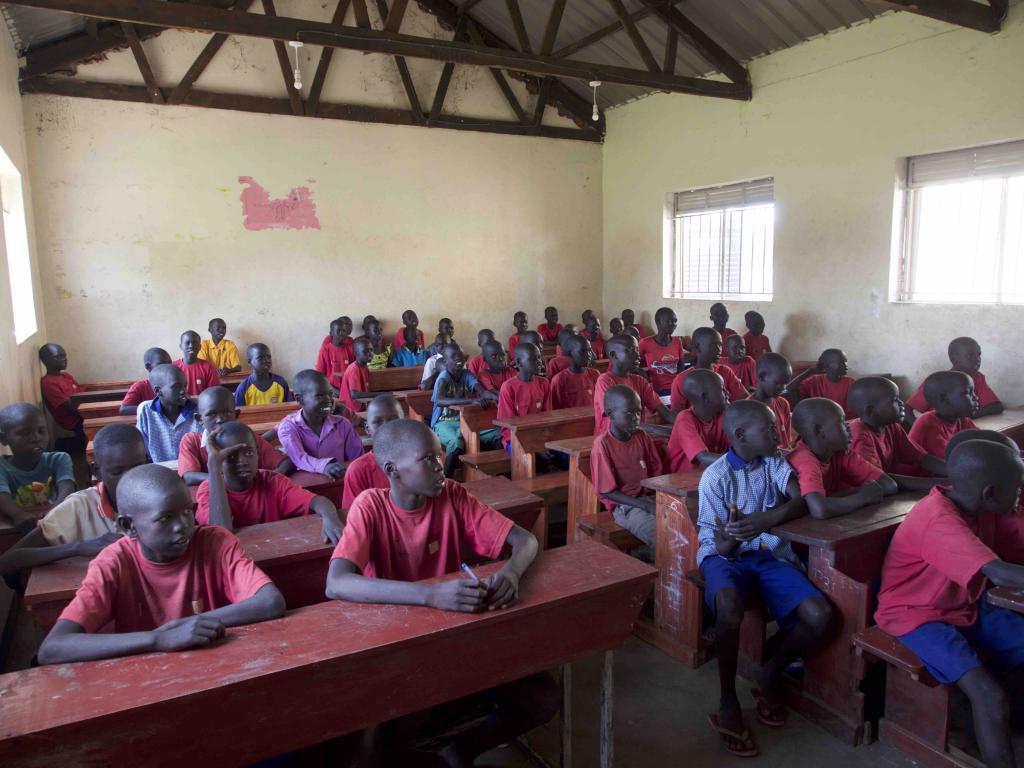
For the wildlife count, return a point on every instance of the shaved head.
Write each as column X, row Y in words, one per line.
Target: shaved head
column 214, row 396
column 622, row 342
column 309, row 376
column 943, row 383
column 148, row 486
column 699, row 382
column 772, row 361
column 703, row 334
column 743, row 413
column 115, row 437
column 233, row 433
column 383, row 404
column 988, row 435
column 491, row 347
column 813, row 412
column 869, row 391
column 165, row 374
column 400, row 437
column 620, row 395
column 18, row 413
column 976, row 464
column 155, row 356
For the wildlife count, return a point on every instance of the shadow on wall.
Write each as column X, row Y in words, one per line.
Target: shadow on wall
column 801, row 330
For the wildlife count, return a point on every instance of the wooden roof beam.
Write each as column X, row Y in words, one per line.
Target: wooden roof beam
column 964, row 13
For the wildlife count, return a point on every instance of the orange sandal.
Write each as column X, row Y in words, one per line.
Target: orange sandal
column 749, row 748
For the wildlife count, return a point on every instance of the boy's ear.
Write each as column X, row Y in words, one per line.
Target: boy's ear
column 988, row 493
column 125, row 524
column 197, row 418
column 390, row 469
column 94, row 471
column 738, row 435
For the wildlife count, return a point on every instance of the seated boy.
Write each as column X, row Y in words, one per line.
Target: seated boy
column 57, row 387
column 560, row 361
column 432, row 367
column 381, row 356
column 199, row 374
column 697, row 438
column 356, row 380
column 423, row 527
column 831, row 381
column 623, row 357
column 754, row 339
column 476, row 363
column 496, row 370
column 720, row 319
column 445, row 329
column 409, row 322
column 662, row 353
column 739, row 362
column 707, row 351
column 31, row 477
column 411, row 352
column 742, row 496
column 221, row 353
column 238, row 493
column 366, row 325
column 336, row 351
column 457, row 386
column 166, row 585
column 953, row 406
column 629, row 321
column 550, row 328
column 965, row 356
column 951, row 547
column 615, row 326
column 526, row 393
column 141, row 390
column 773, row 374
column 522, row 324
column 878, row 434
column 592, row 330
column 621, row 458
column 168, row 417
column 574, row 387
column 262, row 386
column 833, row 480
column 364, row 473
column 313, row 437
column 214, row 408
column 86, row 521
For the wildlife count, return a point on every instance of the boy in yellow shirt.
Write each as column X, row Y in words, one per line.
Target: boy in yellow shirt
column 222, row 353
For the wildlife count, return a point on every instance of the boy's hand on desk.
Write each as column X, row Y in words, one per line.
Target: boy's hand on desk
column 92, row 547
column 187, row 632
column 332, row 530
column 335, row 470
column 502, row 589
column 457, row 595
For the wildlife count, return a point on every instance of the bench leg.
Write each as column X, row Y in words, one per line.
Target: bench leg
column 607, row 730
column 917, row 718
column 540, row 528
column 566, row 753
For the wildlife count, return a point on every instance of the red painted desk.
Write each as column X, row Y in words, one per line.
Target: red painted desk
column 845, row 559
column 472, row 421
column 388, row 379
column 523, row 508
column 1010, row 422
column 115, row 390
column 529, row 434
column 248, row 414
column 249, row 697
column 418, row 405
column 582, row 495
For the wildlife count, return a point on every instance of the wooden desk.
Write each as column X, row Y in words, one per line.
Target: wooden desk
column 529, row 434
column 248, row 414
column 389, row 379
column 116, row 390
column 524, row 509
column 99, row 409
column 1010, row 423
column 418, row 404
column 1002, row 597
column 845, row 560
column 582, row 495
column 472, row 421
column 350, row 658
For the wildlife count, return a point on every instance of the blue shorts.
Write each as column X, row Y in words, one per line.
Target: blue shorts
column 781, row 585
column 951, row 652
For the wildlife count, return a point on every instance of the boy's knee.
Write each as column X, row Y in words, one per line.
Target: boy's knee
column 985, row 692
column 728, row 609
column 816, row 613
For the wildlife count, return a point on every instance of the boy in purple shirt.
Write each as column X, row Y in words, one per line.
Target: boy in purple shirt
column 314, row 439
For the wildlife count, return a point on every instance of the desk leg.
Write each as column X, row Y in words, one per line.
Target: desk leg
column 607, row 730
column 566, row 756
column 524, row 463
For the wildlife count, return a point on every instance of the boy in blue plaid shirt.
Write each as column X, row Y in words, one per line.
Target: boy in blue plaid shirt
column 742, row 496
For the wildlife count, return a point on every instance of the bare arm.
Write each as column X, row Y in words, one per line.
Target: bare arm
column 285, row 466
column 344, row 582
column 707, row 458
column 667, row 415
column 64, row 489
column 33, row 550
column 1004, row 574
column 195, row 478
column 68, row 641
column 266, row 604
column 910, row 483
column 503, row 584
column 333, row 526
column 823, row 507
column 128, row 410
column 933, row 465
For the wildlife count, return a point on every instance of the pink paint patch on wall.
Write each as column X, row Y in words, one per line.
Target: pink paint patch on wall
column 296, row 211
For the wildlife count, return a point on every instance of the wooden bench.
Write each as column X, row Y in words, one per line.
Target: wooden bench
column 416, row 404
column 248, row 414
column 99, row 391
column 576, row 601
column 529, row 434
column 600, row 527
column 525, row 509
column 583, row 499
column 485, row 464
column 1010, row 423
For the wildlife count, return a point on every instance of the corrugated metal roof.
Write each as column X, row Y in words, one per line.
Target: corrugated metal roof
column 32, row 27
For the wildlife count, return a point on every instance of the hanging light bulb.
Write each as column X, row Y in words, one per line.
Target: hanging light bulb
column 595, row 116
column 296, row 44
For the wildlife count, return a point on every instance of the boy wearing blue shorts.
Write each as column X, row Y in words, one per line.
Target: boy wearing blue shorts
column 953, row 545
column 743, row 495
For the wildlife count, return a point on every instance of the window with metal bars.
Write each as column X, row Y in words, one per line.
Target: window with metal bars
column 718, row 242
column 963, row 227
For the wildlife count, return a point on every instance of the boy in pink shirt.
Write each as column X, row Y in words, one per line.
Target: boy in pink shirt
column 951, row 547
column 773, row 375
column 526, row 393
column 662, row 353
column 592, row 331
column 739, row 362
column 965, row 356
column 623, row 357
column 141, row 391
column 719, row 317
column 550, row 328
column 364, row 473
column 754, row 339
column 522, row 324
column 476, row 362
column 355, row 381
column 707, row 351
column 574, row 387
column 199, row 374
column 698, row 439
column 832, row 381
column 166, row 585
column 336, row 351
column 951, row 396
column 424, row 527
column 496, row 370
column 409, row 320
column 560, row 361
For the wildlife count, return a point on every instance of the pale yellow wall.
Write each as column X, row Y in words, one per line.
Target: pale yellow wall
column 829, row 120
column 140, row 228
column 19, row 364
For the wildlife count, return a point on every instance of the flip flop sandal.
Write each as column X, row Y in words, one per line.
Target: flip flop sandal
column 749, row 748
column 772, row 715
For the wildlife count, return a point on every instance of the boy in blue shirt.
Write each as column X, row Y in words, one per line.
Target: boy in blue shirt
column 412, row 352
column 457, row 386
column 30, row 477
column 164, row 420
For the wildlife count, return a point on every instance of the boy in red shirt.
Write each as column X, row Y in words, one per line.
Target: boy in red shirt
column 166, row 585
column 199, row 374
column 141, row 391
column 629, row 321
column 623, row 357
column 719, row 320
column 409, row 320
column 574, row 387
column 663, row 353
column 754, row 339
column 879, row 437
column 522, row 324
column 58, row 386
column 697, row 438
column 951, row 547
column 833, row 480
column 336, row 351
column 355, row 382
column 707, row 351
column 560, row 361
column 615, row 326
column 476, row 363
column 965, row 355
column 592, row 330
column 526, row 393
column 423, row 527
column 364, row 473
column 239, row 494
column 773, row 374
column 951, row 397
column 621, row 458
column 496, row 370
column 831, row 381
column 739, row 362
column 216, row 406
column 550, row 328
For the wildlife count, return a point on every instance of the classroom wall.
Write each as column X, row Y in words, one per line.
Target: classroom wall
column 142, row 230
column 829, row 120
column 19, row 364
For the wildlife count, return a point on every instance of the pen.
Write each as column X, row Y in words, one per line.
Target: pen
column 469, row 572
